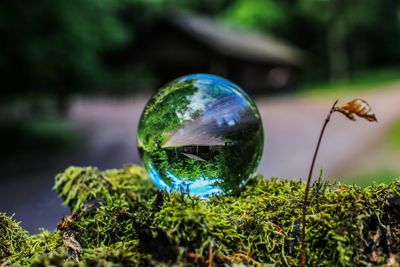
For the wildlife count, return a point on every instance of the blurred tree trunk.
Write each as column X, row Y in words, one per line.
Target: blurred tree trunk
column 338, row 57
column 337, row 47
column 62, row 103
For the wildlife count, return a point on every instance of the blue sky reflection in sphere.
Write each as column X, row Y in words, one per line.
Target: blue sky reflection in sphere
column 200, row 133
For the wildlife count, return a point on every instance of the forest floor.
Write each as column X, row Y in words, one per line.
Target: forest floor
column 292, row 124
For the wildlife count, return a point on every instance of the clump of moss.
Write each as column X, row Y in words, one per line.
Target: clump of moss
column 120, row 219
column 13, row 239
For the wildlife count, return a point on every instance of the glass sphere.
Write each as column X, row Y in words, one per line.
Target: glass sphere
column 200, row 134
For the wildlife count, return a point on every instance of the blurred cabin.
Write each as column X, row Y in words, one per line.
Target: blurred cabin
column 177, row 44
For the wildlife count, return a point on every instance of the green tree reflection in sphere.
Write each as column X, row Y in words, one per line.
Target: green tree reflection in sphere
column 202, row 134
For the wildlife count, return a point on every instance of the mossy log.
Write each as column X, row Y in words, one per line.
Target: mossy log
column 118, row 218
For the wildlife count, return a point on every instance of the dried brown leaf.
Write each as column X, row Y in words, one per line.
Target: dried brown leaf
column 357, row 107
column 65, row 222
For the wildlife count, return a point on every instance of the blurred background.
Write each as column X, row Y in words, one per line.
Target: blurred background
column 76, row 75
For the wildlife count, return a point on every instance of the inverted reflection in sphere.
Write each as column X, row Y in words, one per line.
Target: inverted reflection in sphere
column 202, row 134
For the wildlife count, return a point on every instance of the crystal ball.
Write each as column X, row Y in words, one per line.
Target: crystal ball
column 200, row 134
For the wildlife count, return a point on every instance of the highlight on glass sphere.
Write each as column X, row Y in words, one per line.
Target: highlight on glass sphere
column 201, row 134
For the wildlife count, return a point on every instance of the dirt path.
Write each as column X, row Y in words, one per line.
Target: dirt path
column 292, row 125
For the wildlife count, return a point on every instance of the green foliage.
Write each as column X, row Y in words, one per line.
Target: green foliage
column 394, row 135
column 355, row 13
column 57, row 44
column 380, row 175
column 63, row 46
column 35, row 134
column 161, row 118
column 361, row 81
column 120, row 219
column 256, row 14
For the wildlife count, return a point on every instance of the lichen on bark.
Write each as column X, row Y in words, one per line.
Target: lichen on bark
column 118, row 218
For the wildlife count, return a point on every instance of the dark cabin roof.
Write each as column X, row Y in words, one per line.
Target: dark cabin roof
column 236, row 41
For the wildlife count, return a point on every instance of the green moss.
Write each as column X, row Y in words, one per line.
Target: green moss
column 120, row 219
column 13, row 239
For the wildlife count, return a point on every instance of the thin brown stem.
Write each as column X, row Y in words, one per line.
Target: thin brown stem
column 210, row 255
column 303, row 256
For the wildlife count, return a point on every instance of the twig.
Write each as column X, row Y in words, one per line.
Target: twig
column 243, row 257
column 392, row 258
column 303, row 257
column 210, row 256
column 195, row 256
